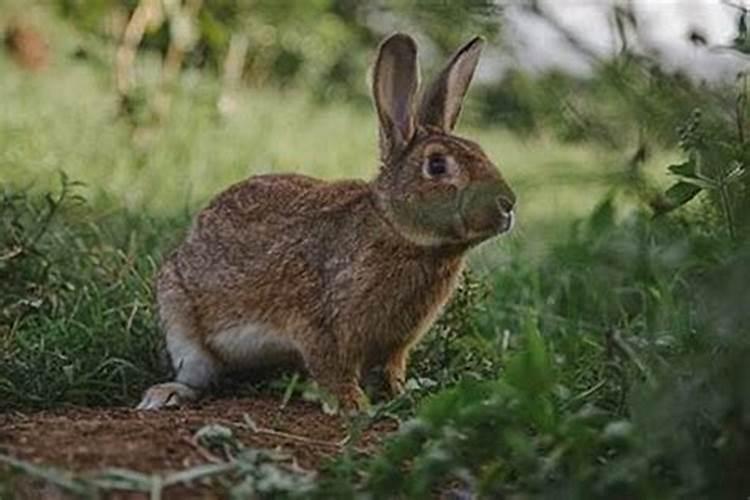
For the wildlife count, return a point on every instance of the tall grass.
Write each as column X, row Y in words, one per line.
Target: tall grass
column 76, row 319
column 79, row 324
column 560, row 369
column 67, row 120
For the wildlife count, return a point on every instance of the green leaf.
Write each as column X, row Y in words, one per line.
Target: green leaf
column 603, row 217
column 686, row 169
column 531, row 369
column 680, row 193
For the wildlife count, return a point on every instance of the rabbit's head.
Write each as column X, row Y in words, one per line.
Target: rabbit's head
column 437, row 189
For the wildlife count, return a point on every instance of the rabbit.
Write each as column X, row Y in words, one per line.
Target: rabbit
column 341, row 276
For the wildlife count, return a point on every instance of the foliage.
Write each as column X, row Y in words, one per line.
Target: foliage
column 717, row 155
column 656, row 409
column 653, row 312
column 449, row 351
column 627, row 377
column 321, row 44
column 71, row 279
column 613, row 365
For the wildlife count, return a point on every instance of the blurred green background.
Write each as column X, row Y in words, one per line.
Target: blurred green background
column 294, row 98
column 598, row 351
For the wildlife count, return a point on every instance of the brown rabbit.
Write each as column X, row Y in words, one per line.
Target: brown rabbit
column 343, row 275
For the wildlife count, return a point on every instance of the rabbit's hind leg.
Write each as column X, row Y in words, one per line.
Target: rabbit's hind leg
column 195, row 367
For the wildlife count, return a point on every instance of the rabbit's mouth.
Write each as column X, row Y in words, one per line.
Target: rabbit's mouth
column 481, row 221
column 507, row 220
column 500, row 224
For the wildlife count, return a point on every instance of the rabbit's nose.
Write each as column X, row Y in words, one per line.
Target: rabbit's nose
column 505, row 203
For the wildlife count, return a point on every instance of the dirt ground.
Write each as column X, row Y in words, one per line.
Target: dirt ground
column 87, row 440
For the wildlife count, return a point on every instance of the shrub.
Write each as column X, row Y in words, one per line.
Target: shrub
column 76, row 319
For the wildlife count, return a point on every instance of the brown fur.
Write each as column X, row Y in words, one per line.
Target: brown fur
column 350, row 273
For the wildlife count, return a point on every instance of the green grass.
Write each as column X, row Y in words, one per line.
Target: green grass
column 66, row 119
column 567, row 349
column 83, row 325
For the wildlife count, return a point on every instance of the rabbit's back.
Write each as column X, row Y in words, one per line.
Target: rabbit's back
column 269, row 249
column 272, row 202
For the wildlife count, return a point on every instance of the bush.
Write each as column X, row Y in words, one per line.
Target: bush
column 76, row 319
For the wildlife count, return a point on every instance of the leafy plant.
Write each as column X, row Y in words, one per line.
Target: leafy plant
column 716, row 164
column 68, row 278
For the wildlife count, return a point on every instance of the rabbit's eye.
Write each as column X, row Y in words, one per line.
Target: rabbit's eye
column 436, row 165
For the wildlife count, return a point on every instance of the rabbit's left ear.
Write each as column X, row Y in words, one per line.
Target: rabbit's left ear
column 394, row 85
column 442, row 100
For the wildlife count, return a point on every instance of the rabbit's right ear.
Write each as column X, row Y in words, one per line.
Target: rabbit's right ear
column 394, row 85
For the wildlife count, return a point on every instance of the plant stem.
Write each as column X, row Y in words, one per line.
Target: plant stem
column 727, row 207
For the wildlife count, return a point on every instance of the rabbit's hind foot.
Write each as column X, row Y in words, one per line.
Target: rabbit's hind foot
column 167, row 395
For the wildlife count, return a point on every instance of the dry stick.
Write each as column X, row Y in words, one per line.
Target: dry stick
column 203, row 452
column 249, row 424
column 198, row 472
column 131, row 317
column 11, row 254
column 147, row 13
column 180, row 42
column 552, row 21
column 740, row 108
column 625, row 348
column 234, row 63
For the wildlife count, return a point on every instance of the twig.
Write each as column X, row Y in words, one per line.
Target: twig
column 338, row 445
column 131, row 317
column 588, row 392
column 617, row 341
column 740, row 108
column 234, row 63
column 53, row 476
column 726, row 204
column 11, row 254
column 198, row 472
column 203, row 452
column 737, row 6
column 147, row 13
column 53, row 205
column 289, row 390
column 574, row 41
column 182, row 38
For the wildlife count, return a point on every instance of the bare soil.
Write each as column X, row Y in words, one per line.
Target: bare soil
column 86, row 440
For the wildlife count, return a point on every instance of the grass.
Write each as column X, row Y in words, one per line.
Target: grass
column 566, row 349
column 83, row 325
column 66, row 120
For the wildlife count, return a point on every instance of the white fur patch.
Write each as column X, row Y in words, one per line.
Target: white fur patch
column 251, row 345
column 194, row 366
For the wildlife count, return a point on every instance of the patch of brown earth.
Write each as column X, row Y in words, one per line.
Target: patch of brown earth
column 87, row 439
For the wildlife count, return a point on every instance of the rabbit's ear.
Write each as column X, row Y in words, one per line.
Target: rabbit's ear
column 442, row 100
column 394, row 85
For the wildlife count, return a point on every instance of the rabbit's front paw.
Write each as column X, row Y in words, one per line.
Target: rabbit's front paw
column 168, row 395
column 352, row 399
column 395, row 373
column 396, row 385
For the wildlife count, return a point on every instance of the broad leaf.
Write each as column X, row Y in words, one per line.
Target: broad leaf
column 687, row 169
column 680, row 193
